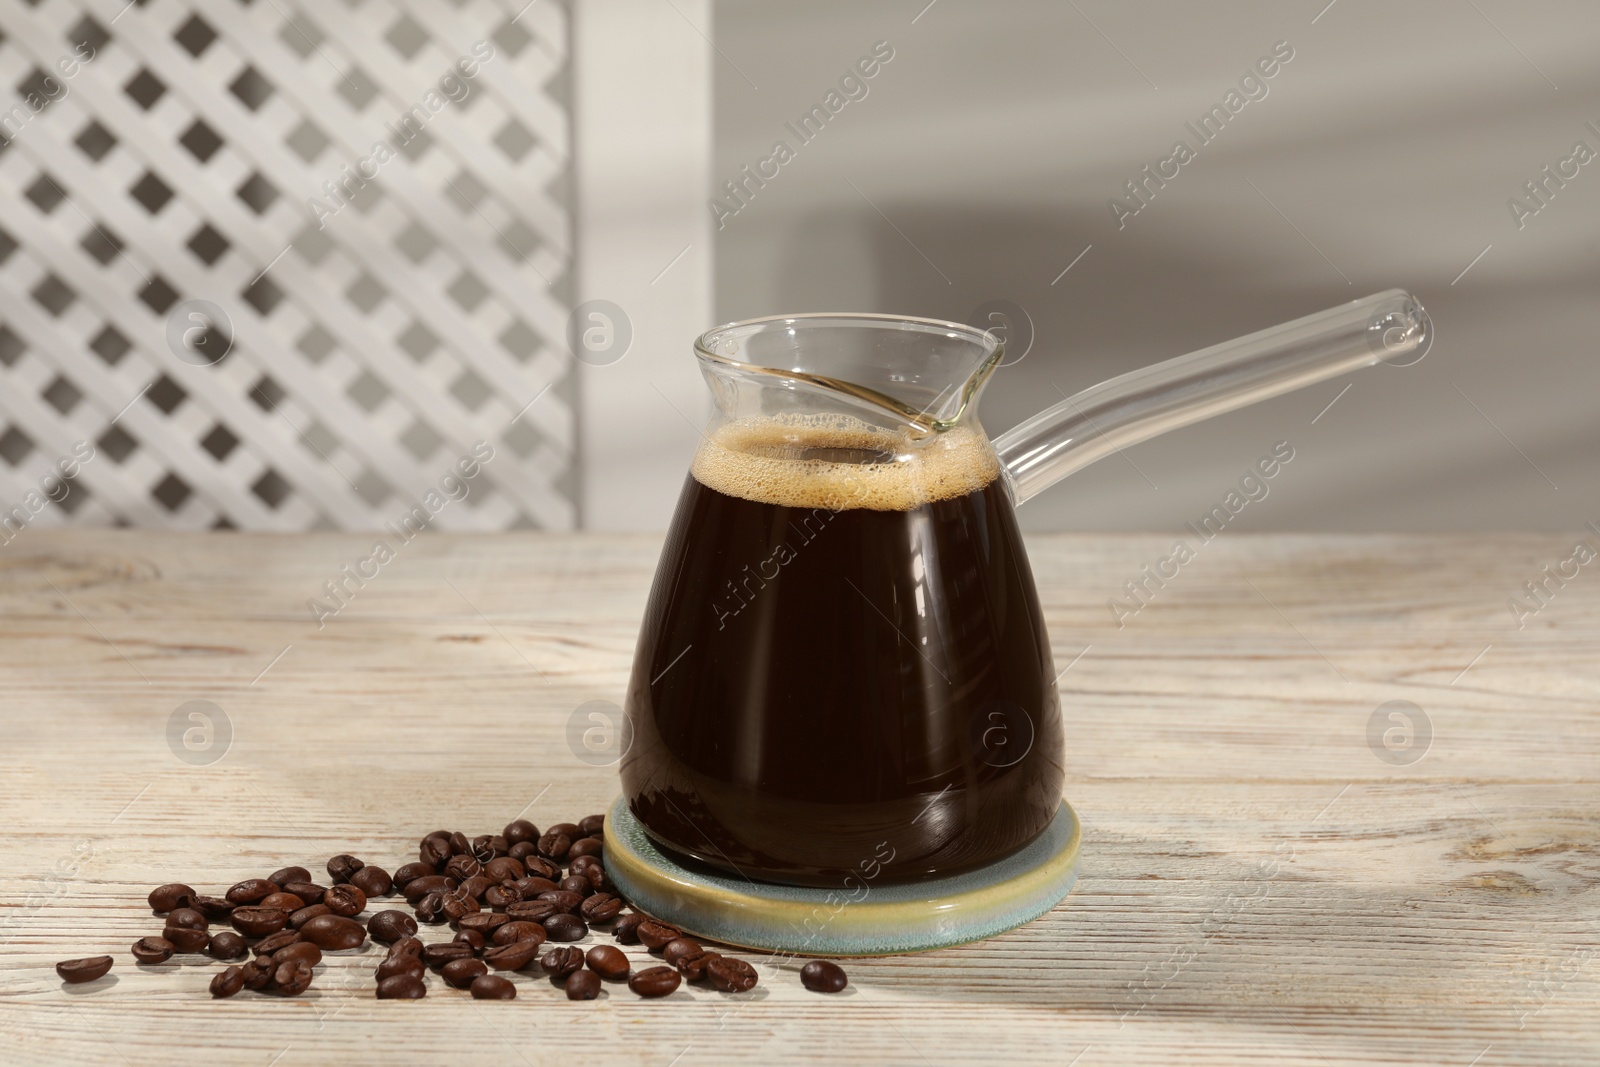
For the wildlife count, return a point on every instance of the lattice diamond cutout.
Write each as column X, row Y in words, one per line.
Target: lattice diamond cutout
column 388, row 308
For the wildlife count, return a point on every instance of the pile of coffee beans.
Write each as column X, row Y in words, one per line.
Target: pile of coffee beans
column 516, row 901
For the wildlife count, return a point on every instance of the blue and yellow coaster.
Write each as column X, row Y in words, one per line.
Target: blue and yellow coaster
column 870, row 920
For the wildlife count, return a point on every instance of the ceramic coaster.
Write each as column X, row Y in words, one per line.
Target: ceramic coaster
column 871, row 920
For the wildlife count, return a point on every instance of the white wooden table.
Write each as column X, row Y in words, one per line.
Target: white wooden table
column 1258, row 884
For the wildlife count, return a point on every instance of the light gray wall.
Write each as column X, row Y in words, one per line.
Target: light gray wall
column 981, row 161
column 642, row 147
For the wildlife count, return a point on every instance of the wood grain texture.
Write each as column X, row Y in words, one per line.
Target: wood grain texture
column 1258, row 886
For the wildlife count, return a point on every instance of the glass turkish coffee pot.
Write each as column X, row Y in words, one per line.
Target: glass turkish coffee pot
column 843, row 660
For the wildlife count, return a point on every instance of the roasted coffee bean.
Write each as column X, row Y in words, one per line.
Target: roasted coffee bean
column 654, row 934
column 172, row 895
column 493, row 987
column 342, row 866
column 512, row 957
column 823, row 976
column 390, row 926
column 400, row 965
column 290, row 978
column 435, row 852
column 152, row 950
column 403, row 987
column 539, row 867
column 407, row 946
column 441, row 953
column 418, row 888
column 256, row 974
column 228, row 982
column 462, row 973
column 627, row 929
column 345, row 899
column 251, row 891
column 570, row 829
column 576, row 883
column 289, row 902
column 563, row 899
column 584, row 847
column 565, row 927
column 463, row 867
column 582, row 863
column 309, row 892
column 523, row 849
column 458, row 905
column 85, row 970
column 731, row 975
column 679, row 947
column 180, row 941
column 471, row 937
column 476, row 886
column 487, row 846
column 274, row 943
column 406, row 872
column 534, row 884
column 460, row 844
column 520, row 830
column 373, row 881
column 253, row 921
column 608, row 962
column 186, row 919
column 334, row 933
column 500, row 896
column 215, row 909
column 561, row 961
column 282, row 939
column 280, row 943
column 518, row 930
column 283, row 877
column 583, row 985
column 444, row 835
column 531, row 910
column 485, row 922
column 600, row 908
column 693, row 966
column 504, row 869
column 553, row 845
column 306, row 914
column 430, row 909
column 654, row 981
column 304, row 951
column 227, row 945
column 591, row 825
column 183, row 939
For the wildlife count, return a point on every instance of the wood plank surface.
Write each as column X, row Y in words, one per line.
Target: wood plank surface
column 1258, row 885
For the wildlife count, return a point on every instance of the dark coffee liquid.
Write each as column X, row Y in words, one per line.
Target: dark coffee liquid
column 825, row 693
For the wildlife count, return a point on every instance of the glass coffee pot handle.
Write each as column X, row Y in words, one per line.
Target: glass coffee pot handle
column 1387, row 327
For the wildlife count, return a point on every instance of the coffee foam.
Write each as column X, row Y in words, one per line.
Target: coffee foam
column 756, row 459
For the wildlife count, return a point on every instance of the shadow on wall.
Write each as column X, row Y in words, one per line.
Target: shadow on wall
column 1411, row 446
column 1116, row 309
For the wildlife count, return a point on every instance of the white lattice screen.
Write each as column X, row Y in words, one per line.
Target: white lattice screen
column 367, row 356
